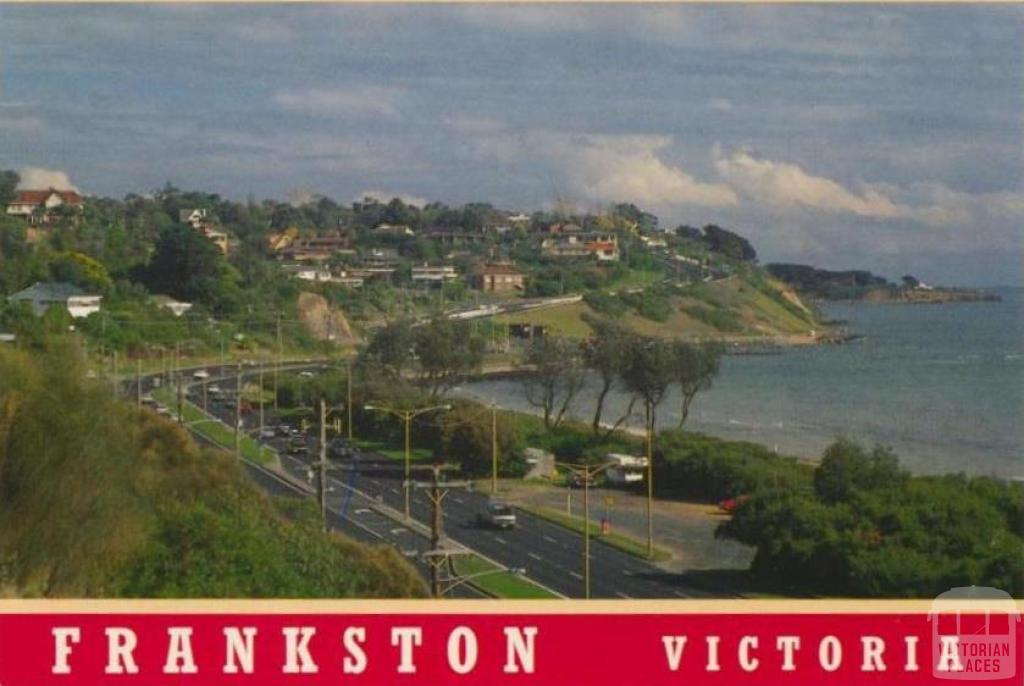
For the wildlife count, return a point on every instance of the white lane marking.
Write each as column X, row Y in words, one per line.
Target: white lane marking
column 535, row 556
column 627, row 572
column 362, row 510
column 623, row 595
column 460, row 501
column 394, row 490
column 578, row 576
column 398, row 530
column 501, row 540
column 680, row 595
column 550, row 540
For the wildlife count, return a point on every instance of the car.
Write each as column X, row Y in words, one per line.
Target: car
column 283, row 430
column 201, row 374
column 296, row 445
column 575, row 480
column 148, row 400
column 267, row 432
column 307, row 374
column 496, row 515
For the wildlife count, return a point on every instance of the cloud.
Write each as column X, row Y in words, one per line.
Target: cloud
column 355, row 101
column 37, row 178
column 629, row 168
column 388, row 196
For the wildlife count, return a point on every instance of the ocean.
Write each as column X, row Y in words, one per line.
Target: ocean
column 942, row 385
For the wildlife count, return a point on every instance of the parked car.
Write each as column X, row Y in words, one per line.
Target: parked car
column 283, row 430
column 296, row 445
column 201, row 374
column 496, row 515
column 575, row 480
column 729, row 505
column 307, row 374
column 267, row 432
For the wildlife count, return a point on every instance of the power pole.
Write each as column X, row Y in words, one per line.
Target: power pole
column 494, row 449
column 238, row 411
column 181, row 399
column 323, row 462
column 348, row 402
column 650, row 484
column 586, row 534
column 439, row 554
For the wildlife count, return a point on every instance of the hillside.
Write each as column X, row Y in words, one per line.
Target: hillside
column 746, row 306
column 105, row 500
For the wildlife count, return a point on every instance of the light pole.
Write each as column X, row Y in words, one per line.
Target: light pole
column 407, row 417
column 586, row 473
column 650, row 485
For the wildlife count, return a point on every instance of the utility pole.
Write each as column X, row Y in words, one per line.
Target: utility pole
column 181, row 399
column 494, row 449
column 650, row 485
column 277, row 360
column 348, row 403
column 323, row 462
column 586, row 534
column 439, row 554
column 238, row 411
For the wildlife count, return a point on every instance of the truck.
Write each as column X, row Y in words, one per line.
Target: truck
column 625, row 469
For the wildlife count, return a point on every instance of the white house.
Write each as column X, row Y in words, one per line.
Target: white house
column 437, row 274
column 176, row 307
column 42, row 296
column 37, row 205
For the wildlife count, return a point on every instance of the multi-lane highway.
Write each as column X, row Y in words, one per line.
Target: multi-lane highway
column 551, row 554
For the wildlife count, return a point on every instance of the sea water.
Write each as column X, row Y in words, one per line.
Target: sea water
column 942, row 385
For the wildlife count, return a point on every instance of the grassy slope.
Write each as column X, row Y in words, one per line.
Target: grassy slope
column 759, row 314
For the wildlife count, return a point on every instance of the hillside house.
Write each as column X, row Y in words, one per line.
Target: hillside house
column 498, row 277
column 41, row 206
column 426, row 274
column 602, row 247
column 43, row 296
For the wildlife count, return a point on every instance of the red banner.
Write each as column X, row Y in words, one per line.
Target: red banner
column 494, row 643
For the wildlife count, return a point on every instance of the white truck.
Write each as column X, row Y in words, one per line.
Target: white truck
column 625, row 469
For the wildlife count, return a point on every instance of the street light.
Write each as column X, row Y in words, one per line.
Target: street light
column 407, row 416
column 586, row 474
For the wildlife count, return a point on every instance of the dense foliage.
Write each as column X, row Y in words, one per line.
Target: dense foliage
column 868, row 529
column 98, row 498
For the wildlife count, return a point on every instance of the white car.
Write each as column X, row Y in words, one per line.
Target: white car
column 201, row 374
column 497, row 515
column 267, row 432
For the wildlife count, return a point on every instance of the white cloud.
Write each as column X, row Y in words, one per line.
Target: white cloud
column 628, row 168
column 37, row 178
column 387, row 196
column 354, row 101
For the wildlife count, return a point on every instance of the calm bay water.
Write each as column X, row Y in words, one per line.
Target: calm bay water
column 943, row 385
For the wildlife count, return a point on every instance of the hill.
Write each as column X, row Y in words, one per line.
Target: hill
column 100, row 499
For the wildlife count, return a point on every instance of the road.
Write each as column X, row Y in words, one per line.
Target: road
column 551, row 554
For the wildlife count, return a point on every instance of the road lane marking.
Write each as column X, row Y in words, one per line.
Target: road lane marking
column 680, row 595
column 501, row 540
column 535, row 556
column 460, row 501
column 623, row 595
column 362, row 510
column 398, row 530
column 550, row 540
column 578, row 576
column 394, row 490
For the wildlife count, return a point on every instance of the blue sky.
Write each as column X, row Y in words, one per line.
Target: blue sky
column 888, row 138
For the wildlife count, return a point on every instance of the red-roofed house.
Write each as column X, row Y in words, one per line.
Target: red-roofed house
column 37, row 205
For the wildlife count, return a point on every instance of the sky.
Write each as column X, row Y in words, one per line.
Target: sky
column 888, row 138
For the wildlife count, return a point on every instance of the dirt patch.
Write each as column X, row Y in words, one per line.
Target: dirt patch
column 322, row 322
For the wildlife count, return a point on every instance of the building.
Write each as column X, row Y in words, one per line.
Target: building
column 199, row 219
column 394, row 230
column 317, row 248
column 321, row 274
column 38, row 206
column 602, row 247
column 498, row 277
column 177, row 307
column 218, row 238
column 43, row 296
column 194, row 217
column 426, row 274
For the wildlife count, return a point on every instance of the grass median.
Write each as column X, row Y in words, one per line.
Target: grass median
column 201, row 423
column 618, row 541
column 497, row 583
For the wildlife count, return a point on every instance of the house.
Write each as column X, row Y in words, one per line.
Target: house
column 563, row 228
column 385, row 229
column 426, row 274
column 602, row 247
column 42, row 296
column 7, row 337
column 519, row 219
column 176, row 307
column 498, row 277
column 218, row 238
column 194, row 217
column 317, row 248
column 321, row 274
column 37, row 206
column 379, row 257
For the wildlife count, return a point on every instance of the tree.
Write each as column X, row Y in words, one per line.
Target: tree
column 846, row 468
column 391, row 348
column 187, row 266
column 9, row 181
column 730, row 244
column 466, row 437
column 648, row 373
column 556, row 377
column 605, row 352
column 446, row 350
column 695, row 368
